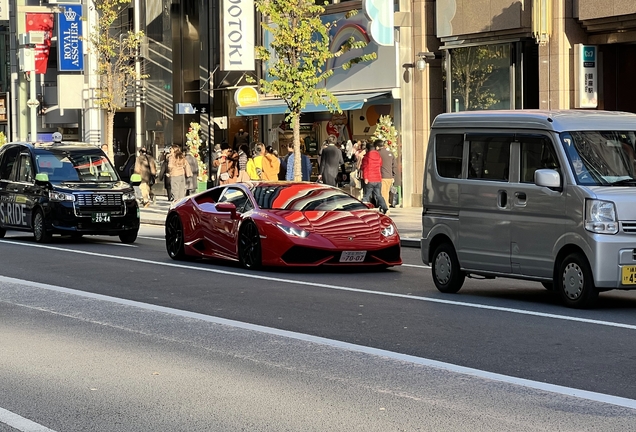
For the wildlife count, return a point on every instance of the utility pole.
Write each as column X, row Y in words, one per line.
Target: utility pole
column 139, row 135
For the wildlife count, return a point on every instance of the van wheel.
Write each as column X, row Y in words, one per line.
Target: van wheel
column 575, row 282
column 40, row 233
column 447, row 275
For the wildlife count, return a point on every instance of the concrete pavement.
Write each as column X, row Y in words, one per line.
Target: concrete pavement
column 408, row 220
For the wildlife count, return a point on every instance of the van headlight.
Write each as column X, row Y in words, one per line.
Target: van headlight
column 600, row 217
column 388, row 230
column 60, row 196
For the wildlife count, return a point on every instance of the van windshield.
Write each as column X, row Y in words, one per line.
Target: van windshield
column 602, row 158
column 74, row 167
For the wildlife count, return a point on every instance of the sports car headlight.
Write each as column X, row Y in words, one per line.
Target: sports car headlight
column 129, row 196
column 294, row 232
column 388, row 230
column 600, row 217
column 60, row 196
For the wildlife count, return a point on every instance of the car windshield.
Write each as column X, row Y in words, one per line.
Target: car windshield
column 304, row 197
column 602, row 158
column 80, row 166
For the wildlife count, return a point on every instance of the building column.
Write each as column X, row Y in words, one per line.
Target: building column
column 92, row 115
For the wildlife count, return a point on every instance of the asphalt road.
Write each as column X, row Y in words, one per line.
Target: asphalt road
column 123, row 338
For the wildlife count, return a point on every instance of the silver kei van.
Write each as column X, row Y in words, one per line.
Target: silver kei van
column 548, row 196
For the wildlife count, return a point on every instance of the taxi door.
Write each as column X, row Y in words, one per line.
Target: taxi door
column 11, row 213
column 26, row 191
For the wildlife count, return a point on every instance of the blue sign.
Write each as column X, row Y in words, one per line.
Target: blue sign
column 69, row 39
column 589, row 56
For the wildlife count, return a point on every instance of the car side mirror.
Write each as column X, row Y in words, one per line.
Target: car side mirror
column 547, row 178
column 135, row 179
column 227, row 207
column 41, row 178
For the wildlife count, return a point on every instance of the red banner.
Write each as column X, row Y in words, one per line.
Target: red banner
column 41, row 22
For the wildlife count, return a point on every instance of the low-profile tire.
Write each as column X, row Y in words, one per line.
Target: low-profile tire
column 447, row 274
column 249, row 246
column 174, row 238
column 128, row 237
column 575, row 282
column 40, row 234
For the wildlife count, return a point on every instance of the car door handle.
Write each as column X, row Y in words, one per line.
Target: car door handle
column 521, row 196
column 502, row 199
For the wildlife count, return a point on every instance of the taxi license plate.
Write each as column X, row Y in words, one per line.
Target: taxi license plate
column 101, row 217
column 628, row 274
column 353, row 256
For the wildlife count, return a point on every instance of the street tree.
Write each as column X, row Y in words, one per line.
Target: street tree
column 115, row 47
column 297, row 57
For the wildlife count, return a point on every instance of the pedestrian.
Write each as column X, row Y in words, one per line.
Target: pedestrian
column 388, row 168
column 305, row 164
column 330, row 163
column 146, row 167
column 178, row 171
column 243, row 162
column 192, row 182
column 216, row 153
column 372, row 178
column 255, row 163
column 163, row 172
column 226, row 164
column 271, row 164
column 240, row 138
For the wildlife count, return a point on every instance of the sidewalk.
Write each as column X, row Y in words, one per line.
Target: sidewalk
column 408, row 220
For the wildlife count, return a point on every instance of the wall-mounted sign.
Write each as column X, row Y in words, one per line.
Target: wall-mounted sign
column 69, row 39
column 381, row 25
column 237, row 49
column 41, row 22
column 4, row 10
column 245, row 96
column 585, row 76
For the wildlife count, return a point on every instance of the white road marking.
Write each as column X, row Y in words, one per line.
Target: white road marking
column 416, row 266
column 151, row 238
column 552, row 388
column 20, row 423
column 334, row 287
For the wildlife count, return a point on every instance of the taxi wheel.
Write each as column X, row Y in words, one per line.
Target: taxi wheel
column 447, row 274
column 128, row 237
column 575, row 282
column 174, row 238
column 40, row 233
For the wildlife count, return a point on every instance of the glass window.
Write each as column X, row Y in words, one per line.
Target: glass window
column 536, row 153
column 305, row 197
column 489, row 159
column 25, row 173
column 9, row 163
column 238, row 198
column 449, row 152
column 80, row 166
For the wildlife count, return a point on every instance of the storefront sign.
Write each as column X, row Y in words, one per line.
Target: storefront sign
column 42, row 22
column 381, row 25
column 585, row 76
column 238, row 35
column 245, row 96
column 4, row 10
column 69, row 39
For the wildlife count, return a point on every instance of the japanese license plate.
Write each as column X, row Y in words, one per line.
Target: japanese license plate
column 101, row 217
column 628, row 274
column 353, row 256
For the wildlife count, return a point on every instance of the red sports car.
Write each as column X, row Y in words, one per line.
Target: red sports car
column 281, row 224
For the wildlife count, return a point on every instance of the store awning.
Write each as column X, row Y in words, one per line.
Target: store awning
column 277, row 106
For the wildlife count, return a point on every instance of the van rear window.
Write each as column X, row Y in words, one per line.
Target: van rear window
column 449, row 151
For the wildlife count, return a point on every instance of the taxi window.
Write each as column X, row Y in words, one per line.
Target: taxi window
column 25, row 169
column 76, row 167
column 9, row 161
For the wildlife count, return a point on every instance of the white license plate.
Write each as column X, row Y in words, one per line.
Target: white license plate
column 100, row 217
column 353, row 256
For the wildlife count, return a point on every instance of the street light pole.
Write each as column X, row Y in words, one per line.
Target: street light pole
column 139, row 136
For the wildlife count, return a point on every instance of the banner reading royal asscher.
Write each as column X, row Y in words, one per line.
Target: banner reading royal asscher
column 237, row 50
column 69, row 39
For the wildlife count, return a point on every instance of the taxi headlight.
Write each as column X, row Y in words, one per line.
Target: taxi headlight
column 129, row 196
column 388, row 230
column 60, row 196
column 600, row 217
column 293, row 232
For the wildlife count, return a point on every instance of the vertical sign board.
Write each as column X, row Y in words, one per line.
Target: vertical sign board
column 69, row 39
column 237, row 48
column 585, row 76
column 4, row 10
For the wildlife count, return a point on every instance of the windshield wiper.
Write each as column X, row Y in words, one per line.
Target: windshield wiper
column 624, row 182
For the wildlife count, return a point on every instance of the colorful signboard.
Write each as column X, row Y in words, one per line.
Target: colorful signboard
column 69, row 39
column 585, row 76
column 41, row 22
column 246, row 95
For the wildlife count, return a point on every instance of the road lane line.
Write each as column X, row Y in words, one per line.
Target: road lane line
column 416, row 266
column 20, row 423
column 334, row 287
column 537, row 385
column 151, row 238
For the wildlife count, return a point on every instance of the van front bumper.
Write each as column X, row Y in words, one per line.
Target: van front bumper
column 610, row 254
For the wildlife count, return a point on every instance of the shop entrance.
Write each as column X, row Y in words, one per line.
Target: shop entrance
column 617, row 76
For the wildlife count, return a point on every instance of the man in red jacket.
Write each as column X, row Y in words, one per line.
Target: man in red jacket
column 372, row 176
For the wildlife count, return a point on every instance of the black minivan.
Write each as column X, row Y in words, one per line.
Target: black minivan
column 67, row 188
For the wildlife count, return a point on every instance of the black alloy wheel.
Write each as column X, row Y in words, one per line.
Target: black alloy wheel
column 575, row 282
column 174, row 238
column 447, row 275
column 128, row 237
column 40, row 233
column 249, row 247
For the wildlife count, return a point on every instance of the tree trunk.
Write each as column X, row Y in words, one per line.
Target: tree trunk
column 108, row 134
column 298, row 170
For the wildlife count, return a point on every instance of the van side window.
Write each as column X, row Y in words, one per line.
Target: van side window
column 489, row 158
column 536, row 153
column 449, row 151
